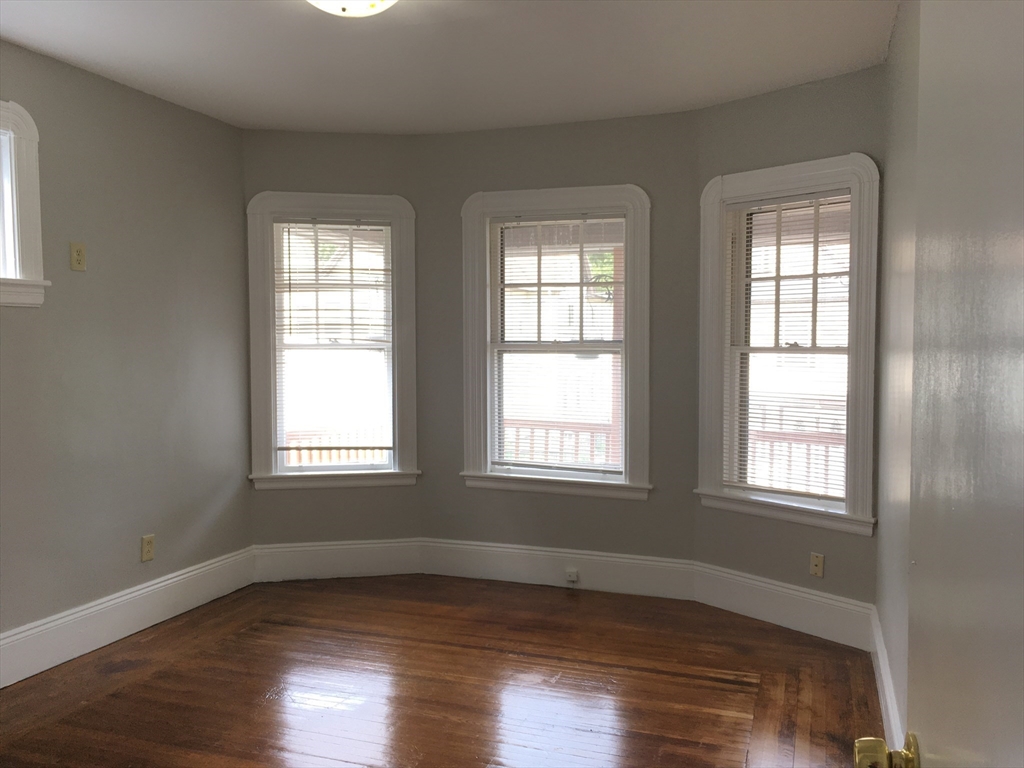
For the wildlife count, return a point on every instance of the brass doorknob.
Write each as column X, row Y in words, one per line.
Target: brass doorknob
column 875, row 753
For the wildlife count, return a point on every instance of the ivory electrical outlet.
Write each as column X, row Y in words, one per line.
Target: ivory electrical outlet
column 78, row 257
column 817, row 565
column 572, row 575
column 148, row 546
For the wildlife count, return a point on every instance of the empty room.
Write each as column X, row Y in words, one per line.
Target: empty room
column 537, row 383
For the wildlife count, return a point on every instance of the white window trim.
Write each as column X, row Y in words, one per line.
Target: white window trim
column 857, row 173
column 26, row 290
column 263, row 209
column 624, row 200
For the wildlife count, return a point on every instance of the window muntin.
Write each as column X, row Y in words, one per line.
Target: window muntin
column 787, row 356
column 557, row 345
column 333, row 338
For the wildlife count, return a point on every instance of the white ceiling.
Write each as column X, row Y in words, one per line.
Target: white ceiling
column 429, row 66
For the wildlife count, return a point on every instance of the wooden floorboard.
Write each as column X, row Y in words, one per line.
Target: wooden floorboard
column 435, row 671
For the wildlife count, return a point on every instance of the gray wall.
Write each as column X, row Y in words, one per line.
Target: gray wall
column 655, row 153
column 124, row 398
column 966, row 596
column 896, row 344
column 807, row 122
column 140, row 363
column 671, row 157
column 358, row 164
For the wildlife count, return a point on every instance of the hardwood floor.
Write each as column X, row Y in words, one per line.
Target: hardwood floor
column 438, row 671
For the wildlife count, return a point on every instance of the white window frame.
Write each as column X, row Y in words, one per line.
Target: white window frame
column 27, row 289
column 626, row 201
column 857, row 174
column 266, row 208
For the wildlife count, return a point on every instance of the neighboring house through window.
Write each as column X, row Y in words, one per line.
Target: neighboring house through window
column 787, row 342
column 332, row 318
column 556, row 312
column 21, row 244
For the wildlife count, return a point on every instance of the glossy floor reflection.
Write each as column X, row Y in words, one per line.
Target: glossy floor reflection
column 433, row 671
column 559, row 720
column 338, row 714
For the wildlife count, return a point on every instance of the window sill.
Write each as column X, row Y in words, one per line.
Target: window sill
column 15, row 292
column 333, row 480
column 790, row 510
column 556, row 485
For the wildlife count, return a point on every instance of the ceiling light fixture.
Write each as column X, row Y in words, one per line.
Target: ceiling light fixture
column 354, row 8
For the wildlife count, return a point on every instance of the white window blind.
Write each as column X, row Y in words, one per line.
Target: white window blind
column 556, row 346
column 334, row 356
column 8, row 216
column 787, row 346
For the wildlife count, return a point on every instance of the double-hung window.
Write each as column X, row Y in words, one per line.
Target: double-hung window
column 556, row 341
column 21, row 245
column 787, row 342
column 333, row 340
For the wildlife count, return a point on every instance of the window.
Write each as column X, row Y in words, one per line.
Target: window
column 787, row 342
column 556, row 312
column 332, row 320
column 21, row 245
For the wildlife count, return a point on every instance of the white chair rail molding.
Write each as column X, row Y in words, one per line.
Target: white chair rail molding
column 787, row 342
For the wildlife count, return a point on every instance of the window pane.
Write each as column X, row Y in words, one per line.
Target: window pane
column 333, row 295
column 335, row 315
column 560, row 253
column 604, row 272
column 335, row 250
column 795, row 312
column 762, row 235
column 833, row 311
column 520, row 255
column 604, row 250
column 762, row 313
column 797, row 254
column 560, row 314
column 553, row 408
column 371, row 314
column 603, row 312
column 519, row 314
column 296, row 314
column 334, row 407
column 558, row 409
column 834, row 236
column 793, row 423
column 369, row 259
column 785, row 410
column 8, row 246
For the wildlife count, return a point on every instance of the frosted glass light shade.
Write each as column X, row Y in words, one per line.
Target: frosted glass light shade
column 354, row 8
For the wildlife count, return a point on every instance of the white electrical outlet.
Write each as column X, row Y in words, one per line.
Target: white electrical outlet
column 148, row 547
column 572, row 575
column 78, row 257
column 817, row 565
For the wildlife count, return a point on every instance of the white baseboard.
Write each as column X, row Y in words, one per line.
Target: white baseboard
column 831, row 617
column 603, row 571
column 336, row 559
column 816, row 613
column 883, row 678
column 32, row 648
